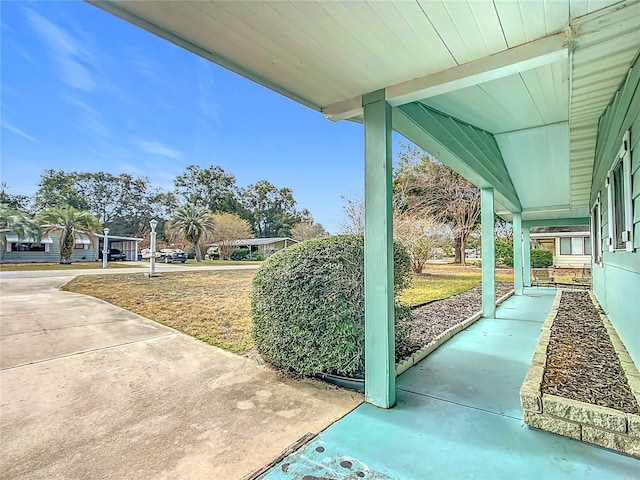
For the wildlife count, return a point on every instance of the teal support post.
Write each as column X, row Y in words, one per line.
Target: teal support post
column 518, row 281
column 380, row 365
column 526, row 253
column 488, row 255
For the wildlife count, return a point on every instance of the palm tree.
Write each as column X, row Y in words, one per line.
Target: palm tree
column 193, row 223
column 20, row 223
column 70, row 223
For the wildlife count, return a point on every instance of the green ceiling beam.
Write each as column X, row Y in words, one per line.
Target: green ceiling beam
column 470, row 151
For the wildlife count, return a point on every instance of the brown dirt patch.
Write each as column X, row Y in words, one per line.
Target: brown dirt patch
column 431, row 320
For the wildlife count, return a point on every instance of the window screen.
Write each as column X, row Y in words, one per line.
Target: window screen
column 576, row 246
column 618, row 206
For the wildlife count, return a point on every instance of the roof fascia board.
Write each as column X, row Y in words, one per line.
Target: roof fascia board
column 161, row 32
column 557, row 222
column 458, row 145
column 581, row 233
column 531, row 55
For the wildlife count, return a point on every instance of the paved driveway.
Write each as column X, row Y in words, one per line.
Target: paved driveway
column 89, row 390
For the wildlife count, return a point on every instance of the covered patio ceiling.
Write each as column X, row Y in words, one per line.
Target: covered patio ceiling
column 531, row 78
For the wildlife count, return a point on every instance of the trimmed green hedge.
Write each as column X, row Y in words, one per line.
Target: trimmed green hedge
column 308, row 306
column 541, row 258
column 504, row 253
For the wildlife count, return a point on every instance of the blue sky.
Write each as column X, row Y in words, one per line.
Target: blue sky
column 82, row 90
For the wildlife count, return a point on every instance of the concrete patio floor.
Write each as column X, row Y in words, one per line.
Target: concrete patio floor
column 89, row 390
column 458, row 415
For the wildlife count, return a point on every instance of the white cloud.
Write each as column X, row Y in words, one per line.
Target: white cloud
column 206, row 100
column 92, row 118
column 13, row 129
column 157, row 148
column 72, row 61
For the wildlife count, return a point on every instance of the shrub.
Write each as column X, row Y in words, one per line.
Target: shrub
column 240, row 253
column 308, row 305
column 254, row 257
column 504, row 253
column 541, row 258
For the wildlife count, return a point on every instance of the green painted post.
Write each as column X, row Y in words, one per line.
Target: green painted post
column 517, row 253
column 526, row 252
column 488, row 255
column 380, row 367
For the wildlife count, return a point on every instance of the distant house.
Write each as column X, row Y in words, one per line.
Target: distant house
column 571, row 246
column 266, row 246
column 27, row 250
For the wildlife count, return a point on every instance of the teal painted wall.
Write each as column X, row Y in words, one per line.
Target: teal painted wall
column 53, row 255
column 616, row 282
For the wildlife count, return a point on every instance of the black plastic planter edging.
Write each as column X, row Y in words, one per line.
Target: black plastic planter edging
column 418, row 305
column 356, row 384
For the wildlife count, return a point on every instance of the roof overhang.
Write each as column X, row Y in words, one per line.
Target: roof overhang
column 119, row 238
column 14, row 238
column 534, row 76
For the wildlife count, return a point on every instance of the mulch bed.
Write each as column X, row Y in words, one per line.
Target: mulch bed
column 582, row 364
column 433, row 319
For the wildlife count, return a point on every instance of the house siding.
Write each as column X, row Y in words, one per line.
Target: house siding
column 616, row 282
column 571, row 261
column 53, row 255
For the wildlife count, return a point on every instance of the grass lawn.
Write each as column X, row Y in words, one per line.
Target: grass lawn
column 442, row 281
column 27, row 267
column 213, row 306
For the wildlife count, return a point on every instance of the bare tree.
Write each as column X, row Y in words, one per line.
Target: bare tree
column 229, row 228
column 421, row 236
column 425, row 186
column 353, row 215
column 503, row 231
column 308, row 230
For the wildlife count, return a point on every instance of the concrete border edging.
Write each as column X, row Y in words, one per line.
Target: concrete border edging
column 602, row 426
column 421, row 354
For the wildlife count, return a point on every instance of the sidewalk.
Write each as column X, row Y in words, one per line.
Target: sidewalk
column 458, row 415
column 89, row 390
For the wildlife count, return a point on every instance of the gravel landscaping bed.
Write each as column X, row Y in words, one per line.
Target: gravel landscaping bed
column 431, row 320
column 582, row 364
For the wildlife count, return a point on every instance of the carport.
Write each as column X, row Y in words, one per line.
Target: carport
column 127, row 245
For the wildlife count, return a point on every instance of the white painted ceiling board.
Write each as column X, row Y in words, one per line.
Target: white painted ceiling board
column 253, row 30
column 471, row 105
column 465, row 37
column 523, row 22
column 489, row 25
column 512, row 93
column 352, row 60
column 430, row 53
column 530, row 99
column 203, row 29
column 536, row 161
column 549, row 89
